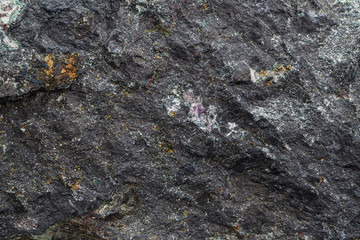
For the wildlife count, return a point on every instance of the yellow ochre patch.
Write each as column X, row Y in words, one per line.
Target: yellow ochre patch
column 60, row 70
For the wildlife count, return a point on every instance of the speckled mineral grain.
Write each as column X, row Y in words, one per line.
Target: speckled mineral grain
column 179, row 119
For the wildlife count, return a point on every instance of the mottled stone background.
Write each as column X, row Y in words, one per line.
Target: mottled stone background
column 179, row 119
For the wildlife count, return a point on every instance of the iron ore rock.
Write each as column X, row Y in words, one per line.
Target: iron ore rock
column 179, row 119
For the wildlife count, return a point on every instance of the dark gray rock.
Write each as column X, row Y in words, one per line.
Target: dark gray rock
column 143, row 119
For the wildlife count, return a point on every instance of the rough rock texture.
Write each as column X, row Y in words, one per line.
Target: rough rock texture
column 186, row 119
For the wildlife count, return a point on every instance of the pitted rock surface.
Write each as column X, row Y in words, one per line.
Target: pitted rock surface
column 179, row 119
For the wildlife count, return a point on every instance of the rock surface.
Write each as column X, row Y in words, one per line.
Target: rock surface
column 186, row 119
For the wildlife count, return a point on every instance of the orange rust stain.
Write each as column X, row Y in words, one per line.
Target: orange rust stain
column 321, row 180
column 75, row 185
column 172, row 113
column 69, row 68
column 206, row 6
column 60, row 70
column 50, row 62
column 166, row 147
